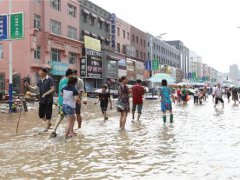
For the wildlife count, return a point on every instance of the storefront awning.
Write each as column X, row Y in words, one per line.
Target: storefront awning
column 94, row 35
column 86, row 33
column 101, row 38
column 113, row 58
column 93, row 15
column 107, row 22
column 101, row 19
column 85, row 11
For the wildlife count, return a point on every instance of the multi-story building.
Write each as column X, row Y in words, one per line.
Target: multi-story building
column 184, row 56
column 195, row 65
column 233, row 73
column 123, row 44
column 49, row 41
column 167, row 55
column 97, row 23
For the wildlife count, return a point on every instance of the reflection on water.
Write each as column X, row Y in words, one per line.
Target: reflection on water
column 203, row 143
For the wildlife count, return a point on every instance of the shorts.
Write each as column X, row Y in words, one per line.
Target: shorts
column 184, row 98
column 67, row 110
column 78, row 108
column 218, row 99
column 104, row 108
column 45, row 110
column 166, row 106
column 139, row 107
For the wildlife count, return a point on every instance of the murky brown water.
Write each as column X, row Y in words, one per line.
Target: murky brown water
column 203, row 143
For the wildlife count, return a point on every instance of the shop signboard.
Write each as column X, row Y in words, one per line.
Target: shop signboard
column 131, row 73
column 58, row 68
column 139, row 69
column 92, row 43
column 94, row 64
column 112, row 69
column 3, row 27
column 16, row 26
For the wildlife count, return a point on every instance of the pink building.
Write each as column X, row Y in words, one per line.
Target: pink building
column 51, row 39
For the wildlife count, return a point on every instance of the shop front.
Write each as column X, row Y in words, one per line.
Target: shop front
column 91, row 66
column 131, row 71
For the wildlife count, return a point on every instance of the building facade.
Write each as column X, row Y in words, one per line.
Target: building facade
column 233, row 73
column 167, row 55
column 195, row 65
column 50, row 41
column 97, row 23
column 184, row 56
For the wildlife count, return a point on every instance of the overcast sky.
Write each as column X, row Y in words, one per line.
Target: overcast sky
column 208, row 27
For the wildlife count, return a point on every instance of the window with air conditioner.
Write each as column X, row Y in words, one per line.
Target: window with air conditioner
column 37, row 21
column 55, row 4
column 72, row 10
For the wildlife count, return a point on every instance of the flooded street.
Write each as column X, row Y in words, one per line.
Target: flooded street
column 203, row 143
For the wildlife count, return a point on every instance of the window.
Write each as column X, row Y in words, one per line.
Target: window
column 72, row 32
column 55, row 27
column 148, row 44
column 37, row 53
column 141, row 55
column 133, row 38
column 124, row 34
column 84, row 16
column 137, row 55
column 72, row 58
column 141, row 42
column 118, row 31
column 148, row 55
column 55, row 55
column 71, row 10
column 124, row 49
column 144, row 55
column 92, row 20
column 38, row 1
column 154, row 45
column 144, row 43
column 37, row 21
column 55, row 4
column 107, row 28
column 100, row 24
column 118, row 47
column 128, row 36
column 136, row 39
column 1, row 51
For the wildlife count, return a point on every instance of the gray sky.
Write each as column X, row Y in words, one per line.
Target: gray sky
column 208, row 27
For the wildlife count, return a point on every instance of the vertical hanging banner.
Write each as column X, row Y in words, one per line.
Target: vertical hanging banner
column 148, row 66
column 16, row 26
column 155, row 63
column 3, row 27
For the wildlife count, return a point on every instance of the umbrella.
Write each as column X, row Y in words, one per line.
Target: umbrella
column 157, row 78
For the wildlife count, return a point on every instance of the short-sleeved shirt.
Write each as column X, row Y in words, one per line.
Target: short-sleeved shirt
column 166, row 94
column 104, row 97
column 138, row 92
column 69, row 92
column 80, row 85
column 44, row 86
column 184, row 92
column 62, row 83
column 196, row 90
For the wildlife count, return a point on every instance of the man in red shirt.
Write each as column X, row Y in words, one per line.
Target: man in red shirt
column 138, row 92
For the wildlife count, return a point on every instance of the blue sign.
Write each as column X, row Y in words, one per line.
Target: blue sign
column 148, row 65
column 113, row 30
column 3, row 27
column 58, row 68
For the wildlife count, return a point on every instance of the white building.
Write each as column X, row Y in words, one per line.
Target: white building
column 195, row 64
column 233, row 73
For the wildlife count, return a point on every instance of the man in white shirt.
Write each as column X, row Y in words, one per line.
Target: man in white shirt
column 213, row 92
column 218, row 95
column 196, row 91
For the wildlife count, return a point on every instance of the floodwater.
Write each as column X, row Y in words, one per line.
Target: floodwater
column 203, row 143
